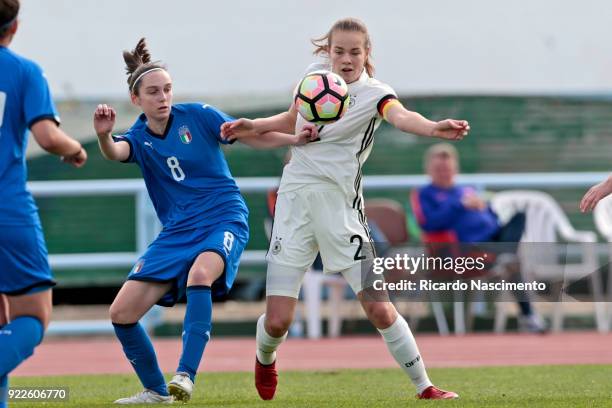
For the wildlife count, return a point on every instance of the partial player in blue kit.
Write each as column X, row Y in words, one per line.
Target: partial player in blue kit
column 25, row 276
column 204, row 218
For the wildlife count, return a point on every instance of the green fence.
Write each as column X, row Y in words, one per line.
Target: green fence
column 509, row 134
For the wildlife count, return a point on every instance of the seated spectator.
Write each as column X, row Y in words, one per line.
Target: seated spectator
column 444, row 206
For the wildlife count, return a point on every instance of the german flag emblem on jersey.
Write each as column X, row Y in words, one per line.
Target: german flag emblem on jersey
column 185, row 135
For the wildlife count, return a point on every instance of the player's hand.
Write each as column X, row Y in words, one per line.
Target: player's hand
column 451, row 129
column 471, row 201
column 104, row 119
column 237, row 129
column 309, row 133
column 78, row 160
column 596, row 193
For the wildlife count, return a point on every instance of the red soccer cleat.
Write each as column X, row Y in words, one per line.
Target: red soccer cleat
column 266, row 379
column 434, row 393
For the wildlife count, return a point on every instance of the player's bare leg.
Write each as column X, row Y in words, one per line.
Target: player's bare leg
column 271, row 332
column 134, row 299
column 401, row 344
column 3, row 310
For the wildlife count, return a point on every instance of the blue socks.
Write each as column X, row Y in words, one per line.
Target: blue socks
column 3, row 390
column 196, row 329
column 140, row 353
column 17, row 342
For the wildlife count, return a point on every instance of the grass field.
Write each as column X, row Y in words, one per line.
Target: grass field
column 546, row 386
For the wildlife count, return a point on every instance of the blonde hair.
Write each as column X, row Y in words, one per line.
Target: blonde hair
column 323, row 44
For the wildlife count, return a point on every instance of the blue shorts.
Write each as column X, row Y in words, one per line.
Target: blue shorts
column 170, row 257
column 24, row 267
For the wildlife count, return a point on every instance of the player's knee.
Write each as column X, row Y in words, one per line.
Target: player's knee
column 201, row 275
column 380, row 314
column 277, row 324
column 38, row 306
column 40, row 314
column 121, row 315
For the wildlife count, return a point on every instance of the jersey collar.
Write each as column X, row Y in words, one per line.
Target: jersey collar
column 143, row 118
column 362, row 78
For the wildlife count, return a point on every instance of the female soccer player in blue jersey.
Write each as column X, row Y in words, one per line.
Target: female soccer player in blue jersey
column 320, row 204
column 25, row 276
column 204, row 218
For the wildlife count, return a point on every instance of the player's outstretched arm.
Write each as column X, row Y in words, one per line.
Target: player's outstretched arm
column 53, row 139
column 250, row 128
column 596, row 193
column 413, row 122
column 104, row 121
column 271, row 140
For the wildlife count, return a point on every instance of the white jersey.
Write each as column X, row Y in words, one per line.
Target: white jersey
column 345, row 145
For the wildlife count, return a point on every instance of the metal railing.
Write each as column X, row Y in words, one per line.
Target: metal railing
column 148, row 226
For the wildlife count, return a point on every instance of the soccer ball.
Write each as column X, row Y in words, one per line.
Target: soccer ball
column 322, row 97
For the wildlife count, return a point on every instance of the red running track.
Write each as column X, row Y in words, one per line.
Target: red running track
column 97, row 356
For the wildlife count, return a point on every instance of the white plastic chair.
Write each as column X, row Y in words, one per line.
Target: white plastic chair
column 602, row 216
column 546, row 222
column 312, row 287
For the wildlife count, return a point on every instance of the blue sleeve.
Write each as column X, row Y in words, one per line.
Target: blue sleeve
column 213, row 118
column 38, row 104
column 133, row 157
column 438, row 216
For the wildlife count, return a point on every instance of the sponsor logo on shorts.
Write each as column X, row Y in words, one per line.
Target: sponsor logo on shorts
column 276, row 247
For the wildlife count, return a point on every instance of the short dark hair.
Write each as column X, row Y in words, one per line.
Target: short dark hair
column 8, row 13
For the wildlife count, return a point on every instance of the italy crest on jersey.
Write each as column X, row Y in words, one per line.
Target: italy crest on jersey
column 185, row 134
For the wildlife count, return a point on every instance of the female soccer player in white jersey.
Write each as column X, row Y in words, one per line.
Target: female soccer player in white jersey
column 320, row 203
column 25, row 277
column 204, row 218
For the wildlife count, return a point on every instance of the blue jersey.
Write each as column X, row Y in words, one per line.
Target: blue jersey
column 24, row 99
column 185, row 170
column 441, row 209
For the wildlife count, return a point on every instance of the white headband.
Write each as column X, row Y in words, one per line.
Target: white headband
column 143, row 74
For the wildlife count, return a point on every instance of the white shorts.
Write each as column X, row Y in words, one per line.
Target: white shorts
column 312, row 220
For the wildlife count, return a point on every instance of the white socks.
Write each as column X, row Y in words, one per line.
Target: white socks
column 403, row 348
column 266, row 344
column 398, row 337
